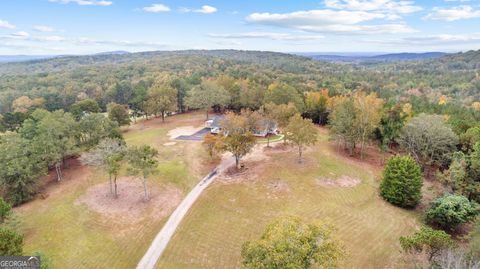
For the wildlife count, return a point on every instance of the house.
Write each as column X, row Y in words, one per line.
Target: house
column 263, row 126
column 214, row 124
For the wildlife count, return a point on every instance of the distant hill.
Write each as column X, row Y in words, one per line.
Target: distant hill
column 24, row 58
column 117, row 52
column 377, row 58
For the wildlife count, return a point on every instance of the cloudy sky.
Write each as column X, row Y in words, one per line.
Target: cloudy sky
column 90, row 26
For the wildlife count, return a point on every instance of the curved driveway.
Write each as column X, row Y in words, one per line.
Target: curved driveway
column 160, row 242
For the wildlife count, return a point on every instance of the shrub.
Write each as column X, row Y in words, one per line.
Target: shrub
column 426, row 240
column 451, row 210
column 45, row 261
column 402, row 182
column 11, row 243
column 5, row 210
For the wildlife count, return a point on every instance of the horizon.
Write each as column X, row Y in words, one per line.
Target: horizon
column 298, row 53
column 85, row 27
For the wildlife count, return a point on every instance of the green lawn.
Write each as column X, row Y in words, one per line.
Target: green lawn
column 228, row 214
column 273, row 138
column 75, row 237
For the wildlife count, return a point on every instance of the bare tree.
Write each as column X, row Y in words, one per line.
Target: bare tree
column 107, row 155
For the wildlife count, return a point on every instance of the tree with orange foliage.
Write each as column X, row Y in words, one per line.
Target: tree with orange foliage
column 212, row 144
column 476, row 105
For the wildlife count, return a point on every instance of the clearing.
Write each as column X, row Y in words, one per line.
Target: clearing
column 78, row 225
column 237, row 207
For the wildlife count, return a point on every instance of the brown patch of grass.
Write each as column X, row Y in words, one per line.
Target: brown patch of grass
column 343, row 181
column 130, row 207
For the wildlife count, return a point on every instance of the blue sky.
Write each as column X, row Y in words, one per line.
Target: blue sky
column 90, row 26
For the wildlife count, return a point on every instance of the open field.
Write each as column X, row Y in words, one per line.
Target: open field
column 77, row 226
column 237, row 208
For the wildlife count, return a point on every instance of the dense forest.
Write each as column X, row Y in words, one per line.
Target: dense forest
column 115, row 78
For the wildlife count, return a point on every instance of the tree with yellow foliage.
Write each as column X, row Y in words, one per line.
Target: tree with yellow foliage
column 442, row 100
column 369, row 114
column 476, row 105
column 354, row 118
column 316, row 106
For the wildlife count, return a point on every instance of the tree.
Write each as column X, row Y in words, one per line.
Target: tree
column 302, row 133
column 21, row 165
column 94, row 127
column 343, row 121
column 282, row 94
column 427, row 239
column 402, row 182
column 22, row 104
column 211, row 143
column 162, row 99
column 451, row 210
column 355, row 119
column 237, row 137
column 391, row 125
column 456, row 176
column 475, row 159
column 369, row 109
column 181, row 86
column 108, row 155
column 289, row 243
column 13, row 121
column 120, row 92
column 5, row 210
column 83, row 107
column 142, row 162
column 429, row 140
column 3, row 128
column 470, row 137
column 11, row 243
column 472, row 185
column 138, row 100
column 118, row 113
column 281, row 113
column 54, row 132
column 316, row 106
column 206, row 95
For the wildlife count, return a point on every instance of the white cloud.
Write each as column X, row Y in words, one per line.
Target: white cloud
column 340, row 21
column 453, row 13
column 443, row 39
column 267, row 35
column 24, row 36
column 43, row 28
column 121, row 43
column 402, row 7
column 431, row 40
column 20, row 34
column 205, row 9
column 84, row 2
column 156, row 8
column 53, row 38
column 6, row 24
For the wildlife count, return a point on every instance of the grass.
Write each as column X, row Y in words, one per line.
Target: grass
column 227, row 215
column 75, row 237
column 273, row 138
